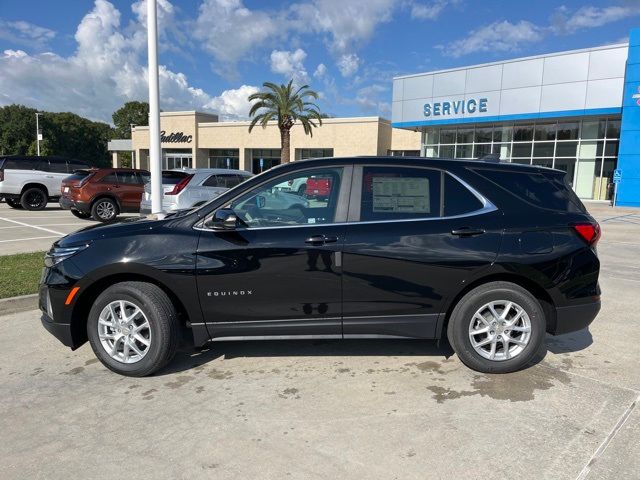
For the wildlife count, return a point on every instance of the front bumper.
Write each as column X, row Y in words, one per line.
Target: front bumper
column 62, row 331
column 575, row 317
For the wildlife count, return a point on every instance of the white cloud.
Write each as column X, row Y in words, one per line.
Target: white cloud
column 589, row 17
column 26, row 34
column 348, row 64
column 230, row 32
column 320, row 71
column 290, row 65
column 429, row 10
column 107, row 69
column 374, row 99
column 497, row 37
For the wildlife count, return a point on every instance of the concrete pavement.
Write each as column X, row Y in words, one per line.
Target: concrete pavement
column 336, row 409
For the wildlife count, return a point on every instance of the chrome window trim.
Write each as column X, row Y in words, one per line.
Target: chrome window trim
column 487, row 207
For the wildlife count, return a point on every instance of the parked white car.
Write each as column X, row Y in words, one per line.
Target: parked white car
column 30, row 182
column 187, row 188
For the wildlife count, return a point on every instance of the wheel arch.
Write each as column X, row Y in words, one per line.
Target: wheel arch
column 40, row 186
column 89, row 293
column 531, row 286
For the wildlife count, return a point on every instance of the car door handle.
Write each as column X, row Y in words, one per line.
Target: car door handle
column 467, row 231
column 321, row 239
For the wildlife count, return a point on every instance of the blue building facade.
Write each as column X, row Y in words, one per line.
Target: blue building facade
column 578, row 111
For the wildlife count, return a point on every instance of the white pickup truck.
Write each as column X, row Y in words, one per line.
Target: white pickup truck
column 30, row 182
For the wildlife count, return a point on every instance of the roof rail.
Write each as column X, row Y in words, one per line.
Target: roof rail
column 490, row 157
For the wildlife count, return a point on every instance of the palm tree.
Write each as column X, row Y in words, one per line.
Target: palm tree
column 287, row 105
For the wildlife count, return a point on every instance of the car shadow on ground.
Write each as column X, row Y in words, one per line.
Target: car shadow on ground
column 570, row 342
column 189, row 358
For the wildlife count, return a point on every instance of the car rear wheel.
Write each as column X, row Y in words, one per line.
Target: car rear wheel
column 13, row 203
column 133, row 328
column 79, row 214
column 104, row 210
column 33, row 199
column 498, row 327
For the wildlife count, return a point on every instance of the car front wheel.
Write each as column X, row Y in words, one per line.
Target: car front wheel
column 133, row 328
column 498, row 327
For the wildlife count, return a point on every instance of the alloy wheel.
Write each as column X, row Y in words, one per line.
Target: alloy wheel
column 500, row 330
column 124, row 331
column 106, row 210
column 34, row 199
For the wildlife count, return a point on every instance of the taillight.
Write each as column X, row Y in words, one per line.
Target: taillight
column 589, row 232
column 180, row 185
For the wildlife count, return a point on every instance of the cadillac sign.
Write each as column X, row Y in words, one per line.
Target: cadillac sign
column 175, row 137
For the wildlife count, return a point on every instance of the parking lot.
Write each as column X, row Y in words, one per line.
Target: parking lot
column 23, row 231
column 328, row 409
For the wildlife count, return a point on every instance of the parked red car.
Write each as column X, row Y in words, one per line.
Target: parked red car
column 103, row 193
column 318, row 187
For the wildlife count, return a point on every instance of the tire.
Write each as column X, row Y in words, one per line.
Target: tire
column 163, row 328
column 33, row 199
column 104, row 210
column 79, row 214
column 464, row 318
column 13, row 203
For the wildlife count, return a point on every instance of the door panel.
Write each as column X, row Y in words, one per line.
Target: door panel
column 279, row 271
column 270, row 275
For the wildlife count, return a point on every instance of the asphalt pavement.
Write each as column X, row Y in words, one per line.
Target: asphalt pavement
column 336, row 409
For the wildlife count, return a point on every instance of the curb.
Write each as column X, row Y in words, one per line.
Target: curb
column 23, row 303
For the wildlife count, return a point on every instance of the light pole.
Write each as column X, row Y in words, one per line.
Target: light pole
column 38, row 132
column 133, row 153
column 155, row 166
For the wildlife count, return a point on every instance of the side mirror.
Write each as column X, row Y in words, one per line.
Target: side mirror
column 224, row 219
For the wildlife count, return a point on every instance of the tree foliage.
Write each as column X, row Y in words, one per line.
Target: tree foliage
column 287, row 105
column 65, row 134
column 131, row 113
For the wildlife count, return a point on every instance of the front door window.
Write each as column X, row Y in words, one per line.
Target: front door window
column 301, row 198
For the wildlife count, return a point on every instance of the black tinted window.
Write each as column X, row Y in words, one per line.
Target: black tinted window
column 57, row 165
column 78, row 175
column 212, row 181
column 458, row 200
column 128, row 177
column 75, row 165
column 531, row 187
column 21, row 163
column 111, row 178
column 172, row 178
column 395, row 193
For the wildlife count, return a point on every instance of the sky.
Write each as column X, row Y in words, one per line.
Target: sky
column 89, row 56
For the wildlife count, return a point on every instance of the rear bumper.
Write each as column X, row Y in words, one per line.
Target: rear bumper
column 69, row 204
column 575, row 317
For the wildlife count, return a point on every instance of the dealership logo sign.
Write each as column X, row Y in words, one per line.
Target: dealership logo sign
column 175, row 137
column 457, row 107
column 636, row 96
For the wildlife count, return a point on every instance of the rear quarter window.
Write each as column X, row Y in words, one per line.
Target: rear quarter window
column 532, row 187
column 458, row 200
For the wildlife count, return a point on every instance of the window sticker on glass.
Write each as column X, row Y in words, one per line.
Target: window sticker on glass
column 393, row 194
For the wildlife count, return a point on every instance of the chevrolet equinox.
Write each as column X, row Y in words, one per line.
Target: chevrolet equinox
column 488, row 255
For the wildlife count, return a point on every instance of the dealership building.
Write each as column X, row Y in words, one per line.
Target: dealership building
column 198, row 140
column 577, row 111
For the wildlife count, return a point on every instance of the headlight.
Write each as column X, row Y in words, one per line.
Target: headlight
column 58, row 254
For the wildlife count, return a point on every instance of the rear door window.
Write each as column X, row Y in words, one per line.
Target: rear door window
column 57, row 165
column 128, row 178
column 111, row 178
column 75, row 165
column 398, row 193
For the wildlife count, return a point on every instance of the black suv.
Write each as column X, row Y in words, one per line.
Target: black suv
column 489, row 255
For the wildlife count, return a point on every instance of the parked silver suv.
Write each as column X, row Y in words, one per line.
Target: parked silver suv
column 30, row 182
column 191, row 187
